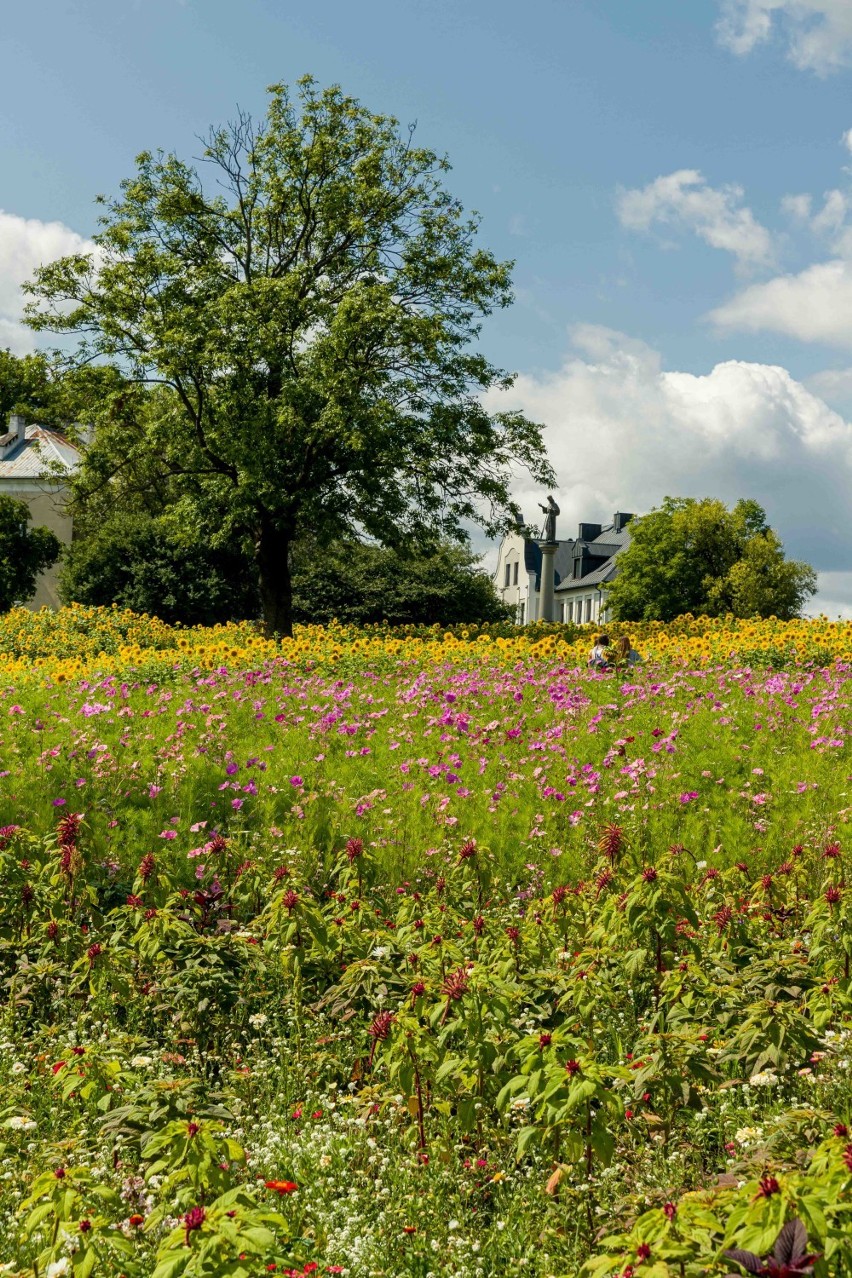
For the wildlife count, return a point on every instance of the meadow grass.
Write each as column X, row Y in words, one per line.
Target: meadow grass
column 433, row 957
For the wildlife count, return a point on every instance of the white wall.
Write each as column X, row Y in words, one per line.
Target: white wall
column 47, row 503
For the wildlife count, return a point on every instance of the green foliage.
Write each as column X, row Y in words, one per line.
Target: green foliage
column 696, row 556
column 357, row 584
column 151, row 566
column 24, row 552
column 312, row 339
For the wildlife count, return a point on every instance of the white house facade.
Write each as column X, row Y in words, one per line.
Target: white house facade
column 35, row 465
column 582, row 567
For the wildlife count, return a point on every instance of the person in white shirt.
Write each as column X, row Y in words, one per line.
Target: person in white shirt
column 599, row 657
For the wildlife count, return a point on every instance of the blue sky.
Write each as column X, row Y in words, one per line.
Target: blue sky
column 671, row 177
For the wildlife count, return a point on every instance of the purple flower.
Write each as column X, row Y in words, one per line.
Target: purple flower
column 236, row 804
column 298, row 782
column 59, row 803
column 688, row 796
column 168, row 834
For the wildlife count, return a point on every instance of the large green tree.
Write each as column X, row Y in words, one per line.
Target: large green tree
column 24, row 552
column 309, row 315
column 696, row 555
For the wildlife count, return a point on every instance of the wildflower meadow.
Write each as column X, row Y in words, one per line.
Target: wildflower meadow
column 424, row 953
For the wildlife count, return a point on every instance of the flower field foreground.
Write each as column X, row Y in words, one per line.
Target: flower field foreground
column 439, row 958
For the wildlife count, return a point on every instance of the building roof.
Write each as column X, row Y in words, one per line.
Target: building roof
column 610, row 542
column 594, row 578
column 42, row 454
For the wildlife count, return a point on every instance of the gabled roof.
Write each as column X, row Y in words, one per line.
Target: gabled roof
column 611, row 541
column 42, row 454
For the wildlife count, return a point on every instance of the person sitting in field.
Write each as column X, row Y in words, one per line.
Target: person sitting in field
column 625, row 653
column 599, row 656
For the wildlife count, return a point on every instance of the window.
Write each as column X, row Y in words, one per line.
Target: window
column 520, row 614
column 508, row 580
column 515, row 580
column 588, row 608
column 569, row 610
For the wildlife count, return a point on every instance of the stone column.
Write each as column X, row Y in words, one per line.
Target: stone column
column 545, row 606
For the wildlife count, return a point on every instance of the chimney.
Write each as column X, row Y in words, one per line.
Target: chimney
column 18, row 426
column 620, row 520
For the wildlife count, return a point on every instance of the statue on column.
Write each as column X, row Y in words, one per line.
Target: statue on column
column 551, row 510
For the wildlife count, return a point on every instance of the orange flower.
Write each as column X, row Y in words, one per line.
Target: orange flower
column 281, row 1186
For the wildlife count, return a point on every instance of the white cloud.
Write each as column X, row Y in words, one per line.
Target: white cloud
column 797, row 207
column 818, row 33
column 847, row 140
column 813, row 306
column 834, row 595
column 623, row 433
column 834, row 385
column 26, row 243
column 716, row 215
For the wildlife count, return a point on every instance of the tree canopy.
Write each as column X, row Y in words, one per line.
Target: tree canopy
column 24, row 552
column 307, row 320
column 696, row 555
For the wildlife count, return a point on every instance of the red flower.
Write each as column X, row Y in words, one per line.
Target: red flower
column 192, row 1129
column 833, row 895
column 85, row 1226
column 354, row 848
column 93, row 952
column 136, row 1221
column 572, row 1068
column 193, row 1220
column 58, row 1066
column 847, row 1156
column 146, row 867
column 467, row 850
column 381, row 1026
column 670, row 1211
column 767, row 1187
column 643, row 1251
column 479, row 925
column 281, row 1186
column 60, row 1173
column 455, row 985
column 290, row 900
column 544, row 1040
column 649, row 874
column 832, row 851
column 841, row 1130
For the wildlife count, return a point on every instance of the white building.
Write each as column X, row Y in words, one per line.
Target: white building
column 581, row 594
column 582, row 566
column 35, row 463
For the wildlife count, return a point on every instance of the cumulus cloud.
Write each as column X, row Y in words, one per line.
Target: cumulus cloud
column 716, row 215
column 623, row 433
column 26, row 243
column 833, row 597
column 818, row 33
column 814, row 306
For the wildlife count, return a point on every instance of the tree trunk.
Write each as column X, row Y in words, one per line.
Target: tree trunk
column 272, row 551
